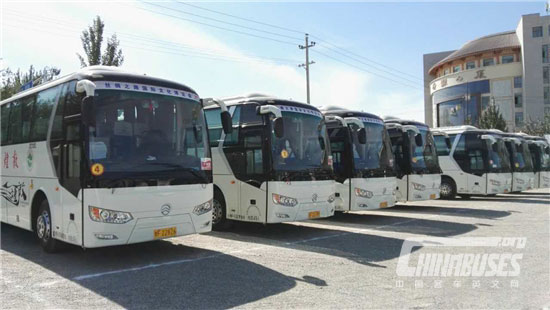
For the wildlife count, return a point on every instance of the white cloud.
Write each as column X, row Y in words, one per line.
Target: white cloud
column 331, row 83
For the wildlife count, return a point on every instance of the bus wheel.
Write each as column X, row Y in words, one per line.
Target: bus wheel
column 447, row 189
column 219, row 220
column 44, row 228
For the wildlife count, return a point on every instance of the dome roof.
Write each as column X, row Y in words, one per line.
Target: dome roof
column 487, row 43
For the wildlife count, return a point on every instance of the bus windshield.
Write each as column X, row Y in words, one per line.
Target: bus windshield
column 520, row 156
column 424, row 158
column 145, row 135
column 304, row 144
column 544, row 151
column 374, row 158
column 499, row 161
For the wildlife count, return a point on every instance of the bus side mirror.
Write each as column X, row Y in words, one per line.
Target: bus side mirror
column 418, row 139
column 448, row 142
column 279, row 127
column 227, row 123
column 88, row 111
column 494, row 146
column 362, row 135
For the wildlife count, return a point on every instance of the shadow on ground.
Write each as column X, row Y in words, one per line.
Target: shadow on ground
column 364, row 248
column 198, row 279
column 452, row 211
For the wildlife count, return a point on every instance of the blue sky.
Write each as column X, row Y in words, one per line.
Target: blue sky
column 393, row 34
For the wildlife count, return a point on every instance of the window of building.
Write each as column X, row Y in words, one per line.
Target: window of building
column 546, row 94
column 545, row 53
column 488, row 62
column 506, row 59
column 519, row 119
column 470, row 65
column 537, row 32
column 546, row 75
column 546, row 110
column 446, row 71
column 456, row 68
column 518, row 100
column 485, row 101
column 518, row 81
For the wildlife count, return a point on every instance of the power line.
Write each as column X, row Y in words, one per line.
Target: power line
column 367, row 59
column 161, row 44
column 342, row 53
column 361, row 69
column 221, row 21
column 166, row 49
column 65, row 24
column 241, row 18
column 217, row 27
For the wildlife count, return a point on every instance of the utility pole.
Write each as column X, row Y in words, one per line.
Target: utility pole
column 306, row 65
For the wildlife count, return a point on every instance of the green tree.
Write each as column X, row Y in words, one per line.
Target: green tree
column 92, row 38
column 12, row 81
column 492, row 119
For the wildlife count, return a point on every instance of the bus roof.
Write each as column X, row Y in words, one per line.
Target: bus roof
column 103, row 73
column 261, row 99
column 394, row 120
column 343, row 112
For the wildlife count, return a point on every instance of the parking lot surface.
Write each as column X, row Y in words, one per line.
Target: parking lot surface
column 348, row 261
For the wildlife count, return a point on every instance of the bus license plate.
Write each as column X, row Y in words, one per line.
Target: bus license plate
column 165, row 232
column 314, row 214
column 432, row 196
column 384, row 204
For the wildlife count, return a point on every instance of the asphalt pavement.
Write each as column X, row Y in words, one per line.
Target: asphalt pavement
column 497, row 251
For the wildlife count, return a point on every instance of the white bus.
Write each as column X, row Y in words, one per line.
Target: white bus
column 475, row 162
column 102, row 157
column 523, row 171
column 274, row 166
column 417, row 166
column 362, row 159
column 540, row 154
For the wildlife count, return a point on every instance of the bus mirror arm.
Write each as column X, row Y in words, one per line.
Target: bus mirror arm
column 225, row 116
column 448, row 142
column 355, row 121
column 88, row 108
column 88, row 111
column 490, row 138
column 86, row 86
column 279, row 127
column 227, row 122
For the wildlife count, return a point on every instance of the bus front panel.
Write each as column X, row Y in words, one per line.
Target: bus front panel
column 299, row 200
column 424, row 186
column 372, row 193
column 130, row 215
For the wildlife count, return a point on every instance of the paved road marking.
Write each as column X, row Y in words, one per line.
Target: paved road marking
column 183, row 261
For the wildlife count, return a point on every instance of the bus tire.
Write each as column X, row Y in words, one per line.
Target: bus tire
column 44, row 228
column 447, row 189
column 219, row 219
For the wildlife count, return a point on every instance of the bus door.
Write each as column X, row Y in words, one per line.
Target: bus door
column 253, row 172
column 70, row 163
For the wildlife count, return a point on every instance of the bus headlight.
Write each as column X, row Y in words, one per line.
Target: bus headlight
column 109, row 216
column 363, row 193
column 418, row 186
column 331, row 198
column 203, row 208
column 284, row 200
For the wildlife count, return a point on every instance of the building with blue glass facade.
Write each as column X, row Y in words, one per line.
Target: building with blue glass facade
column 510, row 70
